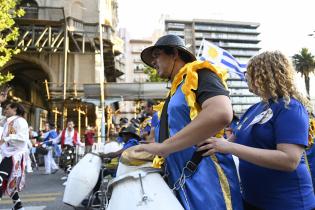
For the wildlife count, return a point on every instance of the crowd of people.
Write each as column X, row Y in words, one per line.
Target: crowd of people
column 197, row 136
column 22, row 148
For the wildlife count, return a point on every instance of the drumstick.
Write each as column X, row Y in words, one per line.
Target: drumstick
column 41, row 143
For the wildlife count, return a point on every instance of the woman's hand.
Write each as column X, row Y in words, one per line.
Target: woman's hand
column 153, row 148
column 213, row 144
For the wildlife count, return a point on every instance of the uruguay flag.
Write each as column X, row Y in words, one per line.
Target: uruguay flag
column 218, row 56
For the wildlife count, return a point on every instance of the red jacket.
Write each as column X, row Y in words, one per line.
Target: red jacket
column 89, row 138
column 63, row 137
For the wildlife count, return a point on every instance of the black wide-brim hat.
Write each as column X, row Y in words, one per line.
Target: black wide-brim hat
column 130, row 130
column 169, row 40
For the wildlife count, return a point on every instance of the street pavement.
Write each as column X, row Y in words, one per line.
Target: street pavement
column 41, row 192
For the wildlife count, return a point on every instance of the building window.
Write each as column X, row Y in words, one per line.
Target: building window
column 139, row 68
column 30, row 7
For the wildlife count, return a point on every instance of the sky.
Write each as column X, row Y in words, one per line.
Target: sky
column 284, row 24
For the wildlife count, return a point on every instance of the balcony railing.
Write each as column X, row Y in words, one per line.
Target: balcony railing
column 43, row 13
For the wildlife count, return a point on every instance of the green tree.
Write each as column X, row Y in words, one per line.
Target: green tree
column 153, row 75
column 305, row 64
column 8, row 33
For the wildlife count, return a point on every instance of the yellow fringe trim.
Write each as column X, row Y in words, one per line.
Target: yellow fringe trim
column 224, row 183
column 158, row 108
column 158, row 161
column 311, row 132
column 191, row 82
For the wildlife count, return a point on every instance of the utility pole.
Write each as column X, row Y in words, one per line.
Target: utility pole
column 65, row 71
column 102, row 72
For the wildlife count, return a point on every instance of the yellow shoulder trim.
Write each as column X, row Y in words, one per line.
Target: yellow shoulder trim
column 311, row 132
column 191, row 82
column 158, row 108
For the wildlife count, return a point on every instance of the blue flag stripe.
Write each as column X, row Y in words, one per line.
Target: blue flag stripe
column 231, row 57
column 233, row 67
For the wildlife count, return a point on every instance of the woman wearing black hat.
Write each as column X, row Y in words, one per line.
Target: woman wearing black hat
column 197, row 108
column 129, row 137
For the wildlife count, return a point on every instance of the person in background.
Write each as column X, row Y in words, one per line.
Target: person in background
column 33, row 139
column 130, row 139
column 47, row 137
column 13, row 144
column 135, row 122
column 28, row 160
column 270, row 139
column 197, row 107
column 149, row 122
column 123, row 123
column 68, row 138
column 89, row 139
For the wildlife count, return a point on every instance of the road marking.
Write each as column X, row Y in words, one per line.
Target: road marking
column 39, row 197
column 40, row 194
column 28, row 200
column 31, row 208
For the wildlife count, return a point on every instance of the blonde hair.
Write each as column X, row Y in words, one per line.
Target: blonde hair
column 271, row 75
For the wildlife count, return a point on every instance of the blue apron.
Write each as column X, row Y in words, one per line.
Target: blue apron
column 215, row 184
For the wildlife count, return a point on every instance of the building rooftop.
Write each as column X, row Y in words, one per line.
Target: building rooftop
column 214, row 21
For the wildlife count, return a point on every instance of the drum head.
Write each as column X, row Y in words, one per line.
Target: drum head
column 133, row 158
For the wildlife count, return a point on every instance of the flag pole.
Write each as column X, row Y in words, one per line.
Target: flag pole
column 201, row 45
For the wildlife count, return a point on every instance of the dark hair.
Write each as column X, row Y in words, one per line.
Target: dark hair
column 150, row 103
column 70, row 120
column 168, row 50
column 19, row 108
column 51, row 125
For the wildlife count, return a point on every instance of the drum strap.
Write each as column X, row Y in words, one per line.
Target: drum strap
column 164, row 130
column 192, row 164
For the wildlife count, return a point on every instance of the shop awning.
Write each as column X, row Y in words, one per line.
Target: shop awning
column 126, row 91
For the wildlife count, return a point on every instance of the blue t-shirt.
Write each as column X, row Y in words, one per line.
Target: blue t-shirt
column 130, row 143
column 120, row 139
column 51, row 135
column 155, row 120
column 311, row 161
column 264, row 126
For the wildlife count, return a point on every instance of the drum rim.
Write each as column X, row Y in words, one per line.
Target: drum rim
column 93, row 153
column 144, row 171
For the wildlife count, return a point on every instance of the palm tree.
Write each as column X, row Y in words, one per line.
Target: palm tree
column 304, row 64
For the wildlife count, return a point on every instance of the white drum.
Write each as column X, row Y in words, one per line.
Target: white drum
column 109, row 147
column 112, row 146
column 141, row 188
column 82, row 179
column 80, row 150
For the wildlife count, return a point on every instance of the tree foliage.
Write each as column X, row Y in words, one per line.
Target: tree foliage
column 153, row 75
column 8, row 33
column 305, row 64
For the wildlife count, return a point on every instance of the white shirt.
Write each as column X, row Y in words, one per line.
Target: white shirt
column 68, row 138
column 15, row 142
